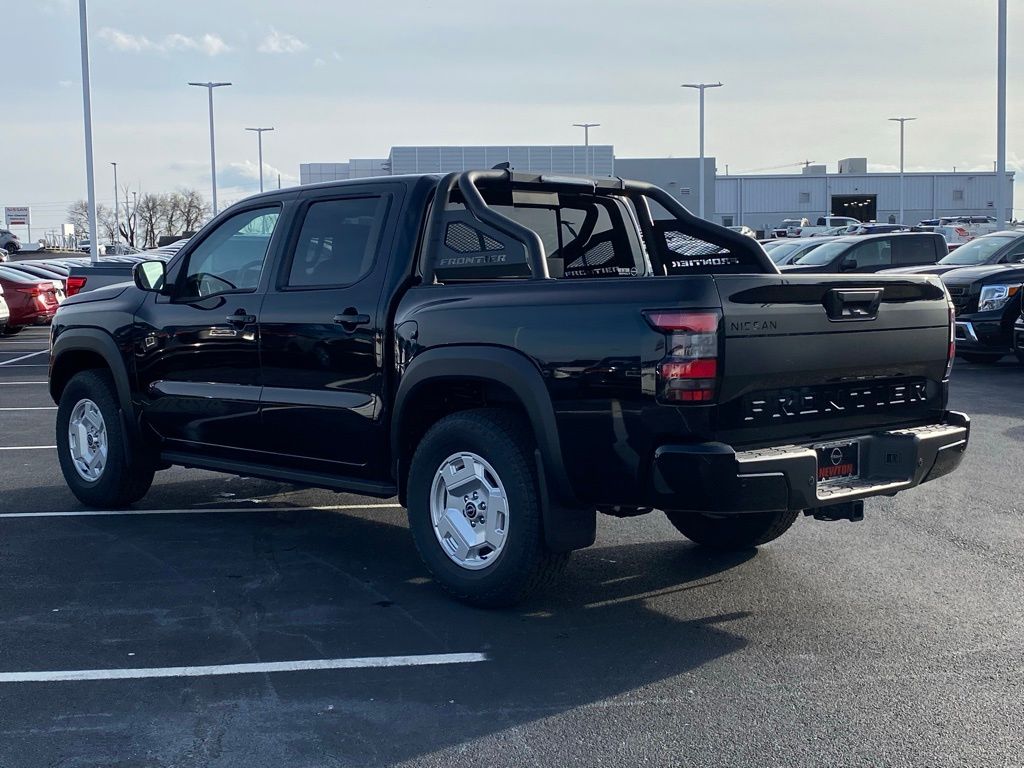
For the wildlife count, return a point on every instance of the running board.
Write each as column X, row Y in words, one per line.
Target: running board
column 266, row 472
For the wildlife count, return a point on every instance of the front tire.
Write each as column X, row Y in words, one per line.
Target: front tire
column 733, row 532
column 474, row 509
column 91, row 444
column 11, row 330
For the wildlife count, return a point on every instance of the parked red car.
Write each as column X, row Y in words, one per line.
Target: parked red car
column 31, row 300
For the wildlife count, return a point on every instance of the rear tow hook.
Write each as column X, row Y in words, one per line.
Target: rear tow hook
column 848, row 510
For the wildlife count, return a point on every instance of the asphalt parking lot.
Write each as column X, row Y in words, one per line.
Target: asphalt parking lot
column 236, row 622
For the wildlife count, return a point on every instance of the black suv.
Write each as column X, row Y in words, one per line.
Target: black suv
column 508, row 354
column 872, row 253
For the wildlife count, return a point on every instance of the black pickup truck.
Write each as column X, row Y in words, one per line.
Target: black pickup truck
column 508, row 354
column 987, row 300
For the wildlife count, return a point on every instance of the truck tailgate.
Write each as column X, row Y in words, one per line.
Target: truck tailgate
column 805, row 356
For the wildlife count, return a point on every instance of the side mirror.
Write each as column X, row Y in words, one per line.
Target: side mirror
column 847, row 265
column 150, row 275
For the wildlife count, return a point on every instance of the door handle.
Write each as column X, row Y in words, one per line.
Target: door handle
column 853, row 304
column 350, row 319
column 241, row 318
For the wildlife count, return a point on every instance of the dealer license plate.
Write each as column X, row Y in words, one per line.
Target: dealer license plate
column 838, row 461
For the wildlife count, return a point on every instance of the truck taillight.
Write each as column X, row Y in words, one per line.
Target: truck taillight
column 75, row 284
column 689, row 371
column 952, row 336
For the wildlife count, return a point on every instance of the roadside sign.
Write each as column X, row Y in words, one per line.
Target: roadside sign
column 17, row 216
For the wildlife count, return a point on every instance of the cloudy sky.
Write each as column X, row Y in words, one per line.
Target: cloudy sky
column 804, row 80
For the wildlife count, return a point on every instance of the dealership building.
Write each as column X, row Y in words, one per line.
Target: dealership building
column 756, row 200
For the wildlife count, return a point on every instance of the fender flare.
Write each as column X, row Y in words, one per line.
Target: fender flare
column 101, row 343
column 567, row 524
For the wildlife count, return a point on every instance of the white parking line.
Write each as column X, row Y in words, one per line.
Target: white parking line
column 38, row 381
column 32, row 408
column 27, row 447
column 206, row 511
column 25, row 357
column 365, row 662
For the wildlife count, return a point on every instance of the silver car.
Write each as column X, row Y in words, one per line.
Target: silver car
column 9, row 241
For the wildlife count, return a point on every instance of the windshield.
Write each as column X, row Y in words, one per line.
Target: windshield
column 976, row 251
column 824, row 254
column 779, row 253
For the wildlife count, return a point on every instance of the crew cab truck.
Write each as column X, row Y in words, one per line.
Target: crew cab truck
column 508, row 354
column 987, row 300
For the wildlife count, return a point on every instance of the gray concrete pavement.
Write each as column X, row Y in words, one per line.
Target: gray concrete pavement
column 891, row 642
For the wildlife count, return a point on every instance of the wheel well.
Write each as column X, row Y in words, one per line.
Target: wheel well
column 432, row 400
column 68, row 364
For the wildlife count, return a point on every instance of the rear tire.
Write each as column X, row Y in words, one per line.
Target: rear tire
column 111, row 481
column 10, row 330
column 732, row 532
column 983, row 358
column 1019, row 353
column 497, row 562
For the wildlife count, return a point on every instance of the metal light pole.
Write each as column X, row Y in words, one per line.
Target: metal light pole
column 586, row 143
column 213, row 151
column 701, row 87
column 259, row 138
column 117, row 216
column 83, row 26
column 902, row 121
column 1001, row 120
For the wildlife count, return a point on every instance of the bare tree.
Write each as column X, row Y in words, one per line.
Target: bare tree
column 107, row 223
column 148, row 213
column 194, row 210
column 78, row 216
column 170, row 213
column 151, row 216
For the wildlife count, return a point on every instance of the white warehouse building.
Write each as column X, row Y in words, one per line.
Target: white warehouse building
column 760, row 201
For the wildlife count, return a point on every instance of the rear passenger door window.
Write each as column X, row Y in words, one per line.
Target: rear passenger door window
column 913, row 250
column 337, row 244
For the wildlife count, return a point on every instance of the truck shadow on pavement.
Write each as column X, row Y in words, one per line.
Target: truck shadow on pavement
column 257, row 586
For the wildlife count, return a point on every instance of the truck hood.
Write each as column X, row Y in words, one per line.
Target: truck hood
column 985, row 273
column 105, row 293
column 926, row 269
column 804, row 268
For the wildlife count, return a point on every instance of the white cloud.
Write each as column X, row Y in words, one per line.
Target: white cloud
column 209, row 44
column 281, row 42
column 318, row 62
column 65, row 83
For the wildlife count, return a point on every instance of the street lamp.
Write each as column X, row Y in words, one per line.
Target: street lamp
column 1001, row 119
column 117, row 219
column 213, row 152
column 586, row 142
column 259, row 139
column 90, row 183
column 701, row 87
column 902, row 121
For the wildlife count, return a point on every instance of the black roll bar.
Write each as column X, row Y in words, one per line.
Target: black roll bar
column 637, row 191
column 712, row 233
